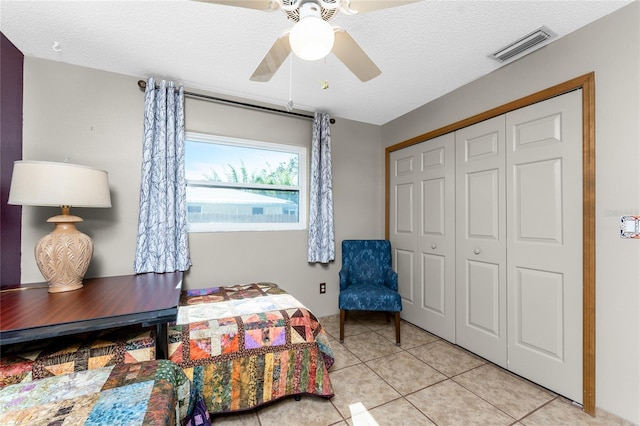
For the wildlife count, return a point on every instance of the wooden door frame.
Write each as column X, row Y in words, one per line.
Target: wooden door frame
column 587, row 84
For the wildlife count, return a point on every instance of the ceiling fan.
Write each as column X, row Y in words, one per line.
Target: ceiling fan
column 312, row 37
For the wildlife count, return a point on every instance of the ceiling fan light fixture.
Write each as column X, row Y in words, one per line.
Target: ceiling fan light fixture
column 311, row 38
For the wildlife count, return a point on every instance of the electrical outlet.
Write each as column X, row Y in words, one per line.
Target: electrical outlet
column 323, row 288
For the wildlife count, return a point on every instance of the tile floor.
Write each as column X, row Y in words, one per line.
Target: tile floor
column 425, row 381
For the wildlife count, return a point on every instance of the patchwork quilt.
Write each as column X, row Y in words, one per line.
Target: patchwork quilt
column 146, row 393
column 246, row 345
column 23, row 362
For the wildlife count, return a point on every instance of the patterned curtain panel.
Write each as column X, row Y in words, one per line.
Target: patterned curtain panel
column 162, row 244
column 321, row 234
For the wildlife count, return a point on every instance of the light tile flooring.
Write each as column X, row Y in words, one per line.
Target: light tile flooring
column 425, row 381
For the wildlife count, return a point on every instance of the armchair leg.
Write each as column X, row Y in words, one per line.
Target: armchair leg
column 398, row 328
column 343, row 315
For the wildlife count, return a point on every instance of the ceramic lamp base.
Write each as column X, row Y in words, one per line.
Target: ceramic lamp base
column 63, row 256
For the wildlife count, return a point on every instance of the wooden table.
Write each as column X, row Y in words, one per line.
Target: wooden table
column 30, row 312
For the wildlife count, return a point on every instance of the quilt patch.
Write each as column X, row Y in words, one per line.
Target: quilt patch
column 264, row 329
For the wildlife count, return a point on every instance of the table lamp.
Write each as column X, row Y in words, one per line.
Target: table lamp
column 63, row 256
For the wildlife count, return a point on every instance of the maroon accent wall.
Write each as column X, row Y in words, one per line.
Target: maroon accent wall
column 11, row 75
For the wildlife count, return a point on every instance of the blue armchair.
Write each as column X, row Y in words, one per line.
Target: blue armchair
column 367, row 281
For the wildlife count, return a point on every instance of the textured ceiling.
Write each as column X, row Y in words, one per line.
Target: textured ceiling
column 424, row 49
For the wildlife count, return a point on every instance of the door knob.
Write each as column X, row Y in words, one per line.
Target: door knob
column 433, row 246
column 476, row 250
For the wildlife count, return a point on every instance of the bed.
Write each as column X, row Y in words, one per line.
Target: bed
column 247, row 345
column 149, row 393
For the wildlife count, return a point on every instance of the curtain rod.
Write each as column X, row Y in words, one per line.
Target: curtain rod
column 143, row 85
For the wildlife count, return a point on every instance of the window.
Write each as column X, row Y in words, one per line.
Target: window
column 243, row 185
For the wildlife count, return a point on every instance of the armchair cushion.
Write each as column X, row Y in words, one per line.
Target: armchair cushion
column 368, row 297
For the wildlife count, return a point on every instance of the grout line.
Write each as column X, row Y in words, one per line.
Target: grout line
column 539, row 408
column 515, row 420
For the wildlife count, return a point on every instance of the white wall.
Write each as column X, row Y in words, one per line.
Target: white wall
column 611, row 48
column 95, row 118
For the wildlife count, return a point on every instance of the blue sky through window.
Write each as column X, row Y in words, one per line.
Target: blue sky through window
column 202, row 158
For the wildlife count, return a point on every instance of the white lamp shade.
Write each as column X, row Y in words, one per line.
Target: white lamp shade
column 43, row 183
column 311, row 38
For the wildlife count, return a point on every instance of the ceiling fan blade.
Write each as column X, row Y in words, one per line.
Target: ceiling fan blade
column 363, row 6
column 352, row 55
column 249, row 4
column 273, row 59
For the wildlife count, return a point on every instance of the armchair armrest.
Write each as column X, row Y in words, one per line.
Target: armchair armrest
column 391, row 279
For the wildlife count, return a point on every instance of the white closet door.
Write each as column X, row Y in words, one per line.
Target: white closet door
column 402, row 226
column 544, row 248
column 435, row 274
column 480, row 240
column 422, row 232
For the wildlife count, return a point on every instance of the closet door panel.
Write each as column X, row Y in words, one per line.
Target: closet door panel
column 538, row 206
column 483, row 297
column 402, row 220
column 436, row 236
column 433, row 268
column 535, row 292
column 433, row 271
column 482, row 204
column 404, row 265
column 480, row 240
column 544, row 210
column 433, row 207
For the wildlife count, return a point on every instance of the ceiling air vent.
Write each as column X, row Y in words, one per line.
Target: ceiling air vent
column 523, row 44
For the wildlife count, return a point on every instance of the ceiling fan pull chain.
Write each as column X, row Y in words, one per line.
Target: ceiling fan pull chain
column 290, row 103
column 324, row 84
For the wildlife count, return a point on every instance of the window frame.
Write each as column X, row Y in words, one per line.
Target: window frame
column 301, row 188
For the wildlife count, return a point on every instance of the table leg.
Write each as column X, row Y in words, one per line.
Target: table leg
column 162, row 341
